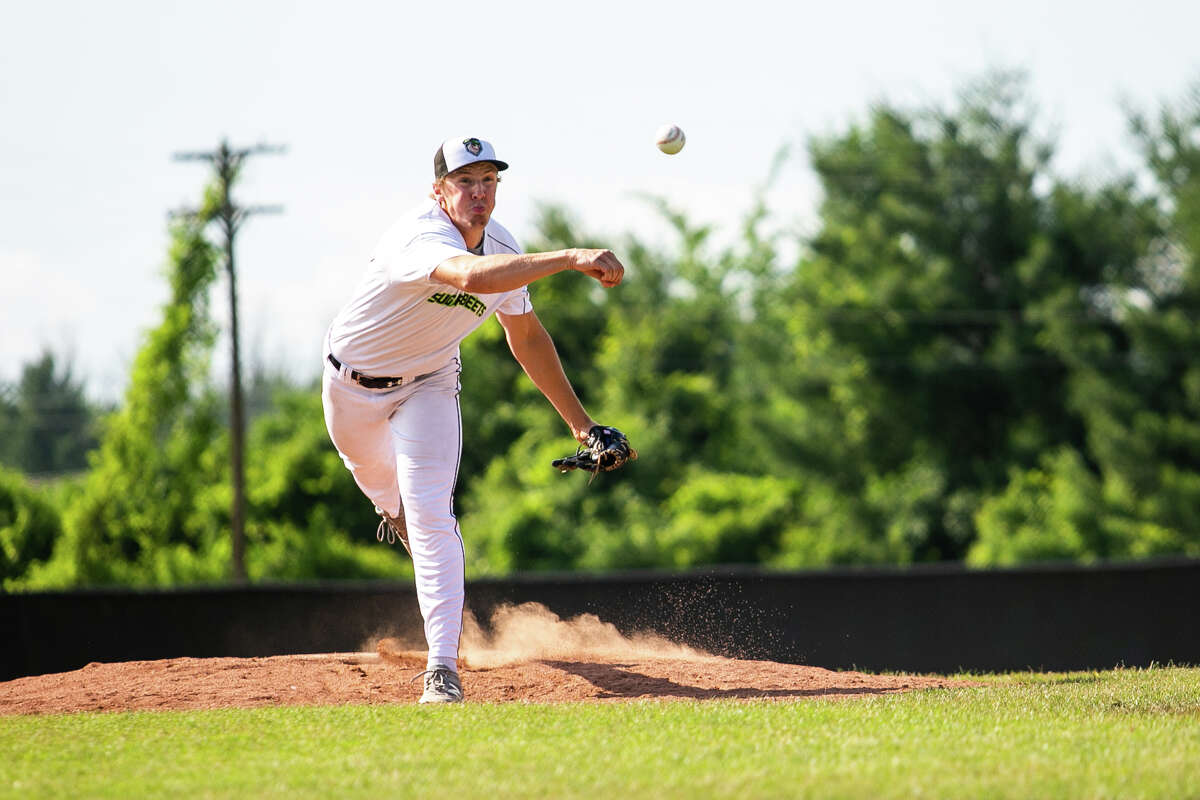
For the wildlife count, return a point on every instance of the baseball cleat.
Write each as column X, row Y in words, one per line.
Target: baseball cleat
column 392, row 528
column 442, row 685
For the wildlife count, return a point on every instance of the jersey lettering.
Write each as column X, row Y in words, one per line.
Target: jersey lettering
column 468, row 301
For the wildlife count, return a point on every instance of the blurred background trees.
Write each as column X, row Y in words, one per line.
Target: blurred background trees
column 968, row 358
column 47, row 425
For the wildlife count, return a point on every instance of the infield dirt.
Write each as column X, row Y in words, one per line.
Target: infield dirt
column 527, row 655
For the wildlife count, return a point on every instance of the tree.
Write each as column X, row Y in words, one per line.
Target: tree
column 1131, row 488
column 49, row 426
column 135, row 521
column 658, row 357
column 29, row 527
column 918, row 355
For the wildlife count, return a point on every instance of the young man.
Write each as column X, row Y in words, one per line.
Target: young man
column 390, row 386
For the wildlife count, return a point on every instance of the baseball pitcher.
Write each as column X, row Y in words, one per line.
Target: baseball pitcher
column 391, row 374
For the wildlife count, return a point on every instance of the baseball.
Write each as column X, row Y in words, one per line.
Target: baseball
column 670, row 139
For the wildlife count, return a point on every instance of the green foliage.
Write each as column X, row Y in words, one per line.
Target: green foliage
column 914, row 329
column 46, row 423
column 971, row 355
column 968, row 357
column 656, row 357
column 719, row 519
column 1052, row 512
column 306, row 518
column 29, row 527
column 135, row 520
column 1131, row 486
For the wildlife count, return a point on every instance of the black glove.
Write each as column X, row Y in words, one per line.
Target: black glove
column 606, row 449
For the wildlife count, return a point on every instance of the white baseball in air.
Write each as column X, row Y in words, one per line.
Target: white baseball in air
column 670, row 139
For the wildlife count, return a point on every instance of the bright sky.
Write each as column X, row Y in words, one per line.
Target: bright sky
column 95, row 98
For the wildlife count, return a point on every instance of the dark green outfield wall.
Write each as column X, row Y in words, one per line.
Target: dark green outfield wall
column 922, row 619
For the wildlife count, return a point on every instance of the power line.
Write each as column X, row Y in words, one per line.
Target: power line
column 227, row 162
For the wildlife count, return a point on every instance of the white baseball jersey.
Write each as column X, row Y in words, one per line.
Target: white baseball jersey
column 401, row 322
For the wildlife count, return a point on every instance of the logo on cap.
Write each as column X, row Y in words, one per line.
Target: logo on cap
column 474, row 146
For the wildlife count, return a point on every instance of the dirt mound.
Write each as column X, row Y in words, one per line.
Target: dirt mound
column 527, row 654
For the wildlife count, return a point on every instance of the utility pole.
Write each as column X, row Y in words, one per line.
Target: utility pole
column 227, row 162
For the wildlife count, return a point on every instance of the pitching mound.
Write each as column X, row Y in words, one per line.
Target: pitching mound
column 528, row 655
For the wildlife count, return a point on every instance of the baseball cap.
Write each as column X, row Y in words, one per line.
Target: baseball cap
column 459, row 152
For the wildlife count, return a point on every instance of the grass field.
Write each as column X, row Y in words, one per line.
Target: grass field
column 1120, row 734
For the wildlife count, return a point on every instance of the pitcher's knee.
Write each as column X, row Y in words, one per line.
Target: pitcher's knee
column 423, row 520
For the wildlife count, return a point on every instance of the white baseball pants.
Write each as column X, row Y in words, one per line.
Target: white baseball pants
column 403, row 446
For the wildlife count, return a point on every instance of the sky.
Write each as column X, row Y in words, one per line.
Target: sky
column 95, row 98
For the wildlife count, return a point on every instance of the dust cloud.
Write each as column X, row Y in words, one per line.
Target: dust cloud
column 530, row 632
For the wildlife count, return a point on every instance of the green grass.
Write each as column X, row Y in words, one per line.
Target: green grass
column 1126, row 734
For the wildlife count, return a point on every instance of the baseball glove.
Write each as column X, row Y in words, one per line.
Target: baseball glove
column 606, row 449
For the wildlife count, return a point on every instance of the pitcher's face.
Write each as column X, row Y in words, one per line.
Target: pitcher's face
column 468, row 195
